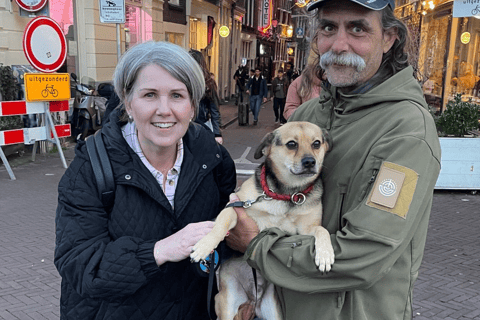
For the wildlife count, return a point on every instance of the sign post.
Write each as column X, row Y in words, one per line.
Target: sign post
column 113, row 11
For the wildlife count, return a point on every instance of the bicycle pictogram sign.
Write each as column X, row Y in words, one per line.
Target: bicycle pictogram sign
column 49, row 90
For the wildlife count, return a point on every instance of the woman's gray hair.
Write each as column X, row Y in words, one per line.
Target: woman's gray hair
column 174, row 59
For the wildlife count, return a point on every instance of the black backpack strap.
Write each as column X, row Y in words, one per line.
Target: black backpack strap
column 102, row 168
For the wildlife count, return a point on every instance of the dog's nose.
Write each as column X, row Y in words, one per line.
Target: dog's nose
column 308, row 162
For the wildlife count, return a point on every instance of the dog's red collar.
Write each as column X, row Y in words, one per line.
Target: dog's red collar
column 297, row 198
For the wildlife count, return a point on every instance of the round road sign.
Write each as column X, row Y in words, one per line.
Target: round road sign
column 31, row 5
column 44, row 44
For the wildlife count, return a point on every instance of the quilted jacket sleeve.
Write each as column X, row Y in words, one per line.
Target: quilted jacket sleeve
column 85, row 255
column 226, row 177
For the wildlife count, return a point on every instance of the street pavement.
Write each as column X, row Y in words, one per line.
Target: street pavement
column 448, row 286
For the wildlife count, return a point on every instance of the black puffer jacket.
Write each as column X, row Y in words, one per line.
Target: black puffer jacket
column 106, row 259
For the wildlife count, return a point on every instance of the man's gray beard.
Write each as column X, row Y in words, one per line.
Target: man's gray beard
column 346, row 59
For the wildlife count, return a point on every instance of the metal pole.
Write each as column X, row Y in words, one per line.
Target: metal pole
column 55, row 136
column 7, row 165
column 119, row 49
column 231, row 52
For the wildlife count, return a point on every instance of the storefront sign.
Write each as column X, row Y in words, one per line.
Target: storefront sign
column 31, row 5
column 465, row 37
column 266, row 18
column 466, row 8
column 112, row 11
column 44, row 44
column 47, row 86
column 224, row 31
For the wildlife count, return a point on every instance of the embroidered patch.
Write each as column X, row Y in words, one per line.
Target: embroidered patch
column 393, row 189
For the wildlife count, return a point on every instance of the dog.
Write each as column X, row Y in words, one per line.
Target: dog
column 285, row 192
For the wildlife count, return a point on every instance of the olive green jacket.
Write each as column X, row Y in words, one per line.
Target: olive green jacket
column 378, row 249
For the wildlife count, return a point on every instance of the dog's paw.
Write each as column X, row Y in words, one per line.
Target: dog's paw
column 324, row 257
column 202, row 249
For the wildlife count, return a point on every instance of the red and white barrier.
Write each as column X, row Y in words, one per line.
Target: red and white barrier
column 32, row 135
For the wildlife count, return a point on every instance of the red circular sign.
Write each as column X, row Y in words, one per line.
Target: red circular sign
column 44, row 44
column 31, row 5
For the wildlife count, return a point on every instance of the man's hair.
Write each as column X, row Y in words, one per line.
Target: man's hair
column 396, row 58
column 258, row 68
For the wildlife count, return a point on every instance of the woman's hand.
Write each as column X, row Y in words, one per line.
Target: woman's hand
column 179, row 245
column 245, row 230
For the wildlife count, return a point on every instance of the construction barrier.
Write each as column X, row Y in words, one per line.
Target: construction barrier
column 29, row 136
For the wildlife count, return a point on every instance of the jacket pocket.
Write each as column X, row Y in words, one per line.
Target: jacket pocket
column 371, row 173
column 343, row 191
column 286, row 245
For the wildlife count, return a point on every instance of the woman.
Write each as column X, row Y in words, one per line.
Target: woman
column 307, row 86
column 131, row 261
column 208, row 113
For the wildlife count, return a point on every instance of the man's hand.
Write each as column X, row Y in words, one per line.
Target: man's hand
column 245, row 230
column 264, row 100
column 248, row 91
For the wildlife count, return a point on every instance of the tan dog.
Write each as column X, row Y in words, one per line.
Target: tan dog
column 294, row 157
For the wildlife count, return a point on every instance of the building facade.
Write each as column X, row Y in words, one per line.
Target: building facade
column 445, row 48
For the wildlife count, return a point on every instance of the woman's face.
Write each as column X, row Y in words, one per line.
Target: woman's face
column 161, row 108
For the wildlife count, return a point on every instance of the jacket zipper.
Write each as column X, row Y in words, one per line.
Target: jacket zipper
column 292, row 245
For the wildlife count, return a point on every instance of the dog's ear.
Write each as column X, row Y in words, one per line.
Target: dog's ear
column 327, row 139
column 266, row 142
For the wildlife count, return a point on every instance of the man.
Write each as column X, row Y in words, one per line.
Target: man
column 257, row 88
column 289, row 72
column 240, row 76
column 378, row 177
column 280, row 87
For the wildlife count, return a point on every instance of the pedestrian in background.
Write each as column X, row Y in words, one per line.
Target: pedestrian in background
column 307, row 86
column 280, row 86
column 240, row 77
column 208, row 112
column 257, row 88
column 131, row 260
column 378, row 176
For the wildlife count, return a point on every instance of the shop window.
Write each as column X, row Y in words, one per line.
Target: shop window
column 432, row 62
column 465, row 74
column 138, row 24
column 62, row 12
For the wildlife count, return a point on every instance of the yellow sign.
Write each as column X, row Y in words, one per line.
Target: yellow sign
column 47, row 86
column 224, row 31
column 465, row 37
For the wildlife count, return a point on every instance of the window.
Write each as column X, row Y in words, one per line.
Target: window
column 138, row 24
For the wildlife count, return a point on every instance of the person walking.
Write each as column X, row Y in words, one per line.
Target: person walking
column 240, row 77
column 378, row 178
column 208, row 111
column 131, row 261
column 257, row 88
column 280, row 86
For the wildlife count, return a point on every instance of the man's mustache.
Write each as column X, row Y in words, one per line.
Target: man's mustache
column 348, row 59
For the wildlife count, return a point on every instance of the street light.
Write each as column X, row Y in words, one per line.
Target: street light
column 290, row 31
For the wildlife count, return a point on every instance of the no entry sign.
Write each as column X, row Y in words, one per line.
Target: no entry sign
column 44, row 44
column 31, row 5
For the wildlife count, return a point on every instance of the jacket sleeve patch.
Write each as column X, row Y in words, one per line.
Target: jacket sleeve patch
column 393, row 189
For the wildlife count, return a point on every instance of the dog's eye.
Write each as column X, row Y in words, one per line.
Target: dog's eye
column 291, row 145
column 316, row 144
